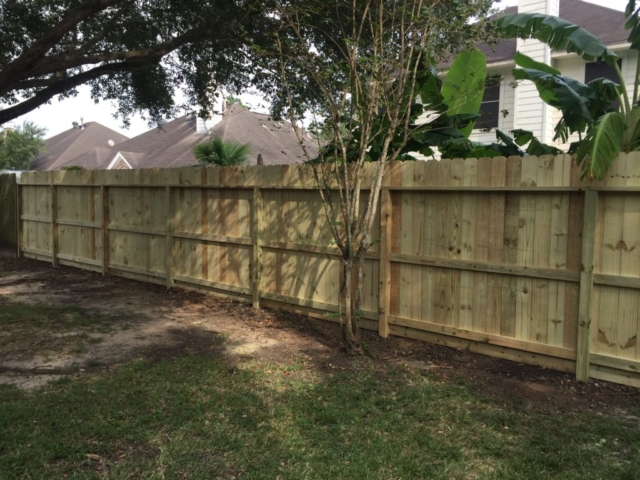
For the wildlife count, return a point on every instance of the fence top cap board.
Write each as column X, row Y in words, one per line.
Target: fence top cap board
column 486, row 173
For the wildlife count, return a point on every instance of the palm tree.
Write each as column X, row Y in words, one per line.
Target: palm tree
column 221, row 153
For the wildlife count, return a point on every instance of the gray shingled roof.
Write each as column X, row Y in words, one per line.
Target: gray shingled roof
column 171, row 145
column 605, row 23
column 64, row 148
column 275, row 141
column 97, row 158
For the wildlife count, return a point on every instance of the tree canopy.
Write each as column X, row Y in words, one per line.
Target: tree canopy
column 136, row 52
column 20, row 145
column 139, row 52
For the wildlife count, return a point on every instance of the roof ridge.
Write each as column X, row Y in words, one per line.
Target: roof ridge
column 51, row 167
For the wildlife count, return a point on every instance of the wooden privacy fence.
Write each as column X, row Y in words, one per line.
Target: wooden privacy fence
column 515, row 258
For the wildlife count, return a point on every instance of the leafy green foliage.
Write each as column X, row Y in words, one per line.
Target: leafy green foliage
column 587, row 109
column 453, row 105
column 134, row 52
column 20, row 145
column 73, row 168
column 235, row 101
column 558, row 33
column 602, row 145
column 464, row 85
column 221, row 153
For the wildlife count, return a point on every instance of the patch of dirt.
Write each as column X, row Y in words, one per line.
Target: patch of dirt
column 166, row 324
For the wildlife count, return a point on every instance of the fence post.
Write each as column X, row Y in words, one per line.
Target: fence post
column 384, row 272
column 586, row 285
column 169, row 236
column 256, row 264
column 54, row 220
column 18, row 220
column 104, row 199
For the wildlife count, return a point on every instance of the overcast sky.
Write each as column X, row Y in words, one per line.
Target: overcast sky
column 57, row 116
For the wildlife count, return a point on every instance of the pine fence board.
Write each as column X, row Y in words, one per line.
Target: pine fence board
column 487, row 254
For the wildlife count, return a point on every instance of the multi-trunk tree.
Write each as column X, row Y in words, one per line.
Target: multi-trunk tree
column 362, row 64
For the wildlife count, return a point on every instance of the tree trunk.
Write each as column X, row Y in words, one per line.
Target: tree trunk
column 350, row 324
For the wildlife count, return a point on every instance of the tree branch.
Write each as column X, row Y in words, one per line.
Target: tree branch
column 63, row 62
column 65, row 84
column 21, row 65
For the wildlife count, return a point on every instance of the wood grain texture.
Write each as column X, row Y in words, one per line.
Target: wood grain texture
column 586, row 287
column 482, row 248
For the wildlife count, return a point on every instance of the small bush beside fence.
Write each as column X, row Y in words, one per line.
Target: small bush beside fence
column 510, row 257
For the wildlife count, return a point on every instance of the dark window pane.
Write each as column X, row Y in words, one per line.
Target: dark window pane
column 597, row 70
column 601, row 70
column 489, row 115
column 492, row 91
column 490, row 108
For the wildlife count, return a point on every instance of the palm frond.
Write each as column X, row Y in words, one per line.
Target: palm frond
column 601, row 146
column 221, row 153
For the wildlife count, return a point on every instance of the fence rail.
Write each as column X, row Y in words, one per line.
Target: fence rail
column 510, row 257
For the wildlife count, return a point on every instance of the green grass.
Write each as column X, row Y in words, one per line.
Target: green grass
column 199, row 418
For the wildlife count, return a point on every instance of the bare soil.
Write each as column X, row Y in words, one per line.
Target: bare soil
column 133, row 320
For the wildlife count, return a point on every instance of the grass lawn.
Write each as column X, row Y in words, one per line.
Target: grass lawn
column 198, row 417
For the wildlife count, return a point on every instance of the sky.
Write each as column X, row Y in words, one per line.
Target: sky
column 57, row 116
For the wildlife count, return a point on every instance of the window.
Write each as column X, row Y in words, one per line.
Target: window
column 490, row 108
column 597, row 70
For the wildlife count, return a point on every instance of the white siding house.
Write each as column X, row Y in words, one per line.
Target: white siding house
column 520, row 106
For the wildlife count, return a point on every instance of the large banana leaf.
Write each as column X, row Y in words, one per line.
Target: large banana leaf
column 526, row 61
column 633, row 24
column 463, row 87
column 431, row 92
column 557, row 91
column 558, row 33
column 537, row 148
column 601, row 146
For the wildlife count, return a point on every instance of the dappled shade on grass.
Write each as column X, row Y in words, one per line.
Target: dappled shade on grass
column 199, row 417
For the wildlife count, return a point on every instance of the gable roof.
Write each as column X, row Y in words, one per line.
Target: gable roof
column 163, row 146
column 277, row 142
column 605, row 23
column 171, row 145
column 61, row 149
column 95, row 159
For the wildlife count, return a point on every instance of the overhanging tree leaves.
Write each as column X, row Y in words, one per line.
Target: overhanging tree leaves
column 133, row 51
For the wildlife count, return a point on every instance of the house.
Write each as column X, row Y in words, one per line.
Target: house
column 91, row 139
column 171, row 145
column 508, row 107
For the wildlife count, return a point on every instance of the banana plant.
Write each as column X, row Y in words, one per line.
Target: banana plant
column 444, row 115
column 455, row 104
column 587, row 109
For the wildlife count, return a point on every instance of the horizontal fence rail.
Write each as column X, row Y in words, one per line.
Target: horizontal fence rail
column 510, row 257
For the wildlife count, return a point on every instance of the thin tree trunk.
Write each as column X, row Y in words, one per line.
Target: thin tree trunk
column 351, row 338
column 357, row 307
